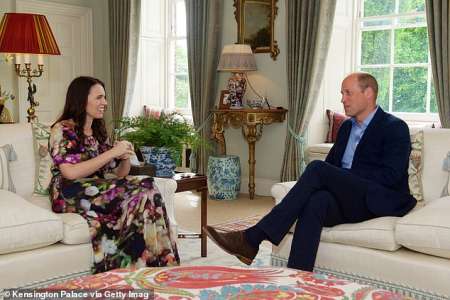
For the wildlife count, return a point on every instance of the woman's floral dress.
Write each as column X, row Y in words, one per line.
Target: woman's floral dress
column 127, row 217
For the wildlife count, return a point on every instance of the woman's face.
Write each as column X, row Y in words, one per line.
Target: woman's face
column 96, row 104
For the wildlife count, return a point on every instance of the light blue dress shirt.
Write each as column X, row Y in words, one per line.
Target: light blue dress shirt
column 356, row 134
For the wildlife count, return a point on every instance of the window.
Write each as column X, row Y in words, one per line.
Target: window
column 393, row 46
column 162, row 73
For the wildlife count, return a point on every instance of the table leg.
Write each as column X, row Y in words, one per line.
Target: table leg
column 251, row 168
column 203, row 220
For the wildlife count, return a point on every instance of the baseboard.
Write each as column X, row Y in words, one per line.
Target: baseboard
column 262, row 188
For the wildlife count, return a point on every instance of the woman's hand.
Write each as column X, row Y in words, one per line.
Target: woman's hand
column 122, row 149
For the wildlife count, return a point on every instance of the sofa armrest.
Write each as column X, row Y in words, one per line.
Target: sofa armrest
column 279, row 190
column 167, row 188
column 317, row 151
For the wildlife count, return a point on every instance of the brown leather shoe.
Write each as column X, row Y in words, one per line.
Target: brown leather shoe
column 234, row 243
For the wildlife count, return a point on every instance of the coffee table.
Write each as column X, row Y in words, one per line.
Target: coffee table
column 219, row 282
column 199, row 183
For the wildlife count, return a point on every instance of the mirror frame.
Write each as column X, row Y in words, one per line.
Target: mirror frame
column 239, row 13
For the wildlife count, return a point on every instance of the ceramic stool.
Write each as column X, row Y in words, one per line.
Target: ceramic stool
column 224, row 177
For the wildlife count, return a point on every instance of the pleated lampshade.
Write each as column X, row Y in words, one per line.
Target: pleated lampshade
column 27, row 33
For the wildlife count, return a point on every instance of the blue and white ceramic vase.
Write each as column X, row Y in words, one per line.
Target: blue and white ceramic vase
column 224, row 177
column 161, row 158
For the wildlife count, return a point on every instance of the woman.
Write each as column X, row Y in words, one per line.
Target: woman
column 127, row 217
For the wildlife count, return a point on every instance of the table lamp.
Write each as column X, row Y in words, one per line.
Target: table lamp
column 237, row 59
column 27, row 34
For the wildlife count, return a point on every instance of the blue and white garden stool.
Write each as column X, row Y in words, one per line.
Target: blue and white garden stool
column 224, row 177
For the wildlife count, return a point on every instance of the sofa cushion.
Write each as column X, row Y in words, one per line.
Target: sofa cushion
column 415, row 166
column 377, row 233
column 427, row 229
column 7, row 154
column 335, row 121
column 24, row 226
column 76, row 229
column 43, row 161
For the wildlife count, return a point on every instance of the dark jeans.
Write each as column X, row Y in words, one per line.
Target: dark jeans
column 323, row 196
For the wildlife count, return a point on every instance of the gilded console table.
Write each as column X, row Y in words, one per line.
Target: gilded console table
column 252, row 122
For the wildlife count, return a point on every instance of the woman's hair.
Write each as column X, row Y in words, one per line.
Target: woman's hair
column 75, row 107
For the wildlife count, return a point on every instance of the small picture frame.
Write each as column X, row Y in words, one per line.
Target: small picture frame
column 224, row 102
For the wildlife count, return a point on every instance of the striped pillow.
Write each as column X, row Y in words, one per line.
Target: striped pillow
column 7, row 154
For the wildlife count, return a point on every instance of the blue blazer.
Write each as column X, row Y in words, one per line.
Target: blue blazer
column 381, row 158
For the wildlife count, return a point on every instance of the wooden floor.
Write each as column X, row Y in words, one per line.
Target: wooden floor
column 187, row 209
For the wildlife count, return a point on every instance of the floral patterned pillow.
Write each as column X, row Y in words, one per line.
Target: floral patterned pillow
column 416, row 166
column 43, row 161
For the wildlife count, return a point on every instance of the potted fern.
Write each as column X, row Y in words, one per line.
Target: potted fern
column 160, row 139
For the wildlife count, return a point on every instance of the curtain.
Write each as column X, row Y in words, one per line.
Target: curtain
column 124, row 27
column 309, row 27
column 204, row 31
column 438, row 37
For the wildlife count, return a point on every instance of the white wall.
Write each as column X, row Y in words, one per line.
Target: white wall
column 270, row 80
column 8, row 79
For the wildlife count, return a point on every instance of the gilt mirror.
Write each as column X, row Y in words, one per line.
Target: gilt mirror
column 255, row 20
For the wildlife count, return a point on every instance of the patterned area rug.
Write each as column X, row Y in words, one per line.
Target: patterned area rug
column 189, row 249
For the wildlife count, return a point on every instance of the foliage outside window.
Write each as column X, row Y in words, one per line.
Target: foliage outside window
column 393, row 46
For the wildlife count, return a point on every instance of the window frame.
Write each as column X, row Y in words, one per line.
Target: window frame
column 172, row 39
column 165, row 38
column 426, row 117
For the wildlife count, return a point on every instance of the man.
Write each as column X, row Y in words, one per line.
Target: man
column 364, row 176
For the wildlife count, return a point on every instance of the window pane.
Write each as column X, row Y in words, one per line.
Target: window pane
column 181, row 64
column 378, row 7
column 382, row 77
column 410, row 88
column 411, row 45
column 411, row 6
column 375, row 47
column 180, row 22
column 433, row 102
column 181, row 91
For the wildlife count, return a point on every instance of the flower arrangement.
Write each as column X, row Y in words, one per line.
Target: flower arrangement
column 169, row 130
column 5, row 116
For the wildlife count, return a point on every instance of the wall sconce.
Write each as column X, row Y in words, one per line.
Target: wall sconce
column 27, row 34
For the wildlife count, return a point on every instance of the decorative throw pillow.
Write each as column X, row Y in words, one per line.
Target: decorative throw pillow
column 415, row 166
column 335, row 121
column 7, row 154
column 43, row 161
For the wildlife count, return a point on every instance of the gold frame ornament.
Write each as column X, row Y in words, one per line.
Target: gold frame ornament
column 255, row 21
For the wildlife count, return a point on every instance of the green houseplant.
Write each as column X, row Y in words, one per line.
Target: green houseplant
column 170, row 131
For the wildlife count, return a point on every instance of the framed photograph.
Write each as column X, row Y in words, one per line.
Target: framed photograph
column 224, row 102
column 255, row 20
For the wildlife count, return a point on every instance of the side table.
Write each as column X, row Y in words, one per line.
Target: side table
column 188, row 182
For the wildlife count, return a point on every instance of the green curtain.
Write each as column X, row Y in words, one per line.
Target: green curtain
column 204, row 31
column 309, row 27
column 439, row 39
column 124, row 26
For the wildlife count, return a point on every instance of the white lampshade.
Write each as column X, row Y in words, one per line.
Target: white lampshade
column 237, row 58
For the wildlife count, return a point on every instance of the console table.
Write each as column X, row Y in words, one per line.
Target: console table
column 252, row 122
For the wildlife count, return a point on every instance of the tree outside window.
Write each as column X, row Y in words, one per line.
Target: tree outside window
column 393, row 47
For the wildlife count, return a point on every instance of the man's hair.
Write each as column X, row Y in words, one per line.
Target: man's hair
column 366, row 80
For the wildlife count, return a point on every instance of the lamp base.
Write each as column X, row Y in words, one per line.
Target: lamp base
column 236, row 87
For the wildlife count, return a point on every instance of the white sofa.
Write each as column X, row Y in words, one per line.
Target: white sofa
column 410, row 255
column 37, row 246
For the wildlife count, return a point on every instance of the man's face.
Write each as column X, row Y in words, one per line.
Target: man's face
column 356, row 101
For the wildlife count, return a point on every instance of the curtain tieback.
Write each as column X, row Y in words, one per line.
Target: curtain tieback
column 301, row 145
